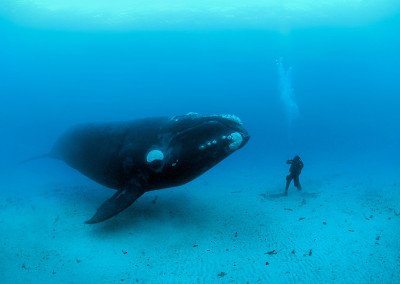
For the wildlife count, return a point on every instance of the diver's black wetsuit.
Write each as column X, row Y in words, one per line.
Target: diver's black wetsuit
column 296, row 165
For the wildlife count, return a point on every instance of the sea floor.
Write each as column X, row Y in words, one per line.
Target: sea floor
column 224, row 227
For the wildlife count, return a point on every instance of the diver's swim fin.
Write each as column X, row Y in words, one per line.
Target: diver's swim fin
column 117, row 203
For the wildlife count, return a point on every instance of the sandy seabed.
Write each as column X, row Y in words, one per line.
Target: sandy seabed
column 224, row 227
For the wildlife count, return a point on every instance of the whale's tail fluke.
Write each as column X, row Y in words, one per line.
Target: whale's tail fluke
column 48, row 155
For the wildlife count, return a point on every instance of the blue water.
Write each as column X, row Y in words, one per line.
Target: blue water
column 329, row 93
column 344, row 80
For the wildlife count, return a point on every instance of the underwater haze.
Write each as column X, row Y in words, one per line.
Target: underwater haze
column 318, row 80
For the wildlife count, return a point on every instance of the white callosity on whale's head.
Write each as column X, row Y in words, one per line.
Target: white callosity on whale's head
column 154, row 155
column 236, row 140
column 232, row 118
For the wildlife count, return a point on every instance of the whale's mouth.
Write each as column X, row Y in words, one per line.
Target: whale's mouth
column 211, row 131
column 235, row 136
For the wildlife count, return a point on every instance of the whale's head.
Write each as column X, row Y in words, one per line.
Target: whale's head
column 138, row 156
column 215, row 135
column 196, row 144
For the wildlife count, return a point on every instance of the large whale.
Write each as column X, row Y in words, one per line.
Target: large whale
column 137, row 156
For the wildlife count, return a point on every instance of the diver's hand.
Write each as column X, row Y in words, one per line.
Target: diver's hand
column 288, row 162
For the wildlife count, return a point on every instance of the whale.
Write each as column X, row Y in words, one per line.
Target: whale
column 134, row 157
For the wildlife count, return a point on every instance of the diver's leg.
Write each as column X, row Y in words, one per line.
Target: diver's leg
column 297, row 182
column 288, row 180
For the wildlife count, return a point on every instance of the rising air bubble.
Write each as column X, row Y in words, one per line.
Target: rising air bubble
column 286, row 92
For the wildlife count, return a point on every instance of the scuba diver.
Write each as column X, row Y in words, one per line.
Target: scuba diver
column 296, row 165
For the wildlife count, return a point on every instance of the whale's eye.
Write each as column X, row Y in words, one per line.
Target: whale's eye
column 235, row 140
column 154, row 155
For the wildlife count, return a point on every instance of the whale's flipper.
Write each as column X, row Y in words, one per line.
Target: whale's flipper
column 117, row 203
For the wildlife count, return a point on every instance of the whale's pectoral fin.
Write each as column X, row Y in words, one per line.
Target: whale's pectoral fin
column 117, row 203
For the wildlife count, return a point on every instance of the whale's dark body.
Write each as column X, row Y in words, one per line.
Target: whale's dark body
column 148, row 154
